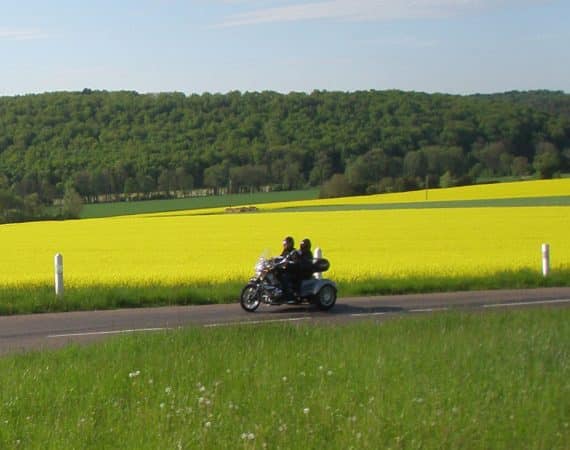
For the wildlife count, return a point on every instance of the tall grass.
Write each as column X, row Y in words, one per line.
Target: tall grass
column 36, row 298
column 498, row 380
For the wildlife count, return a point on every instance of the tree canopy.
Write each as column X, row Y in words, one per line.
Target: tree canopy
column 105, row 143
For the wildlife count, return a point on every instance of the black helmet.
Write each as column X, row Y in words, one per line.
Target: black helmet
column 305, row 244
column 289, row 241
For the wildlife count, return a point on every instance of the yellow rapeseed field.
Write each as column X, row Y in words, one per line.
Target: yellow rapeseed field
column 214, row 248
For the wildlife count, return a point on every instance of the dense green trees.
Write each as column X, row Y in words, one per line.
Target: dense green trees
column 123, row 143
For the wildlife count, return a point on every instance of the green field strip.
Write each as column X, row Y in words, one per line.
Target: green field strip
column 482, row 203
column 98, row 210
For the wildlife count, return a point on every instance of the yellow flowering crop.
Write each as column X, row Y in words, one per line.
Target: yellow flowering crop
column 182, row 247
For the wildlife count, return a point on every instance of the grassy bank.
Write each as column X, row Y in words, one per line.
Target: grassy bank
column 488, row 203
column 35, row 298
column 498, row 380
column 96, row 210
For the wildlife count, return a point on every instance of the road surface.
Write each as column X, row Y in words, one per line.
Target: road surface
column 52, row 330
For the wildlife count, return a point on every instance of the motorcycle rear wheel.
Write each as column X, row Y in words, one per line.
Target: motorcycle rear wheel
column 249, row 298
column 326, row 297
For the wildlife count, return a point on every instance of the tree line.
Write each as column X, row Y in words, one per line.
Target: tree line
column 101, row 144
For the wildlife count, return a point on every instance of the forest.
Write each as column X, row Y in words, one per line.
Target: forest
column 73, row 147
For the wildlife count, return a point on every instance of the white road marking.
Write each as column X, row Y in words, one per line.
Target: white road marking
column 95, row 333
column 428, row 309
column 255, row 322
column 539, row 302
column 368, row 314
column 296, row 319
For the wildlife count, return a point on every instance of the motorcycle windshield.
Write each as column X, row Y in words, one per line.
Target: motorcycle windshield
column 261, row 261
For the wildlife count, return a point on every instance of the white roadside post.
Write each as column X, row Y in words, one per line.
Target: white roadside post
column 545, row 259
column 318, row 254
column 58, row 266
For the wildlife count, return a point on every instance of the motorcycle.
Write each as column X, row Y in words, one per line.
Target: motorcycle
column 265, row 287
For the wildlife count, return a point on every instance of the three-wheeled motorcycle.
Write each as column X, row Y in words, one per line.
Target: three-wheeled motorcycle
column 265, row 286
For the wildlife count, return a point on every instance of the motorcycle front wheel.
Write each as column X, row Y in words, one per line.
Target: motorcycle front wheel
column 249, row 298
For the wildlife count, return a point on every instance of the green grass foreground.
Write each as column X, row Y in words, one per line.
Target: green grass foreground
column 41, row 298
column 452, row 380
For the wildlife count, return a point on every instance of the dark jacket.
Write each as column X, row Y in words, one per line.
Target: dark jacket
column 305, row 264
column 292, row 254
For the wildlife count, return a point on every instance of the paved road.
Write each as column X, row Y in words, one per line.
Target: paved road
column 37, row 331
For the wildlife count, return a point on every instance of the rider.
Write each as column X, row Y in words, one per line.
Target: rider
column 288, row 246
column 287, row 275
column 300, row 266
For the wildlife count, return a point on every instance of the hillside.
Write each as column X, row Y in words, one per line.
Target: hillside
column 103, row 143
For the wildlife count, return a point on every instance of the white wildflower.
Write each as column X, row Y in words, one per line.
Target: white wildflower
column 134, row 374
column 306, row 411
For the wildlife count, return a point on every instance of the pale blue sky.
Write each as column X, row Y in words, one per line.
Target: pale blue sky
column 196, row 46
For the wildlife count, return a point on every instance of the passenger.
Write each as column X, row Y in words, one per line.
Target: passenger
column 305, row 260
